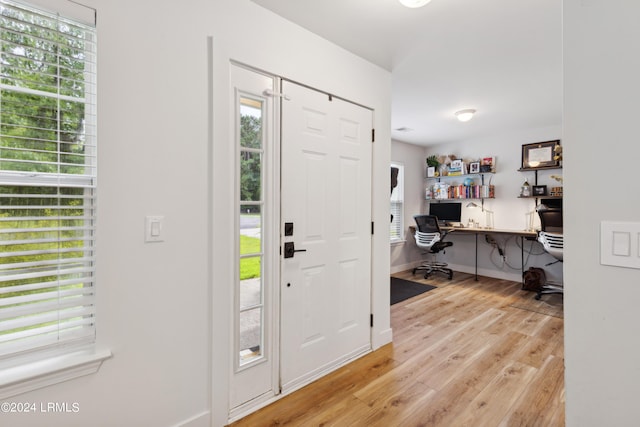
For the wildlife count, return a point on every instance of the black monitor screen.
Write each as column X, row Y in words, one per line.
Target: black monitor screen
column 446, row 212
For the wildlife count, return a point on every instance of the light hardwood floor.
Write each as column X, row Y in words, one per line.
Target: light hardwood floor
column 469, row 353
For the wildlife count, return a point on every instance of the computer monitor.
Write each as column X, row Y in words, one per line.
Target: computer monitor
column 446, row 212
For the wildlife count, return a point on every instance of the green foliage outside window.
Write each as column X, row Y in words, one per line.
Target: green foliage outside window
column 42, row 131
column 250, row 162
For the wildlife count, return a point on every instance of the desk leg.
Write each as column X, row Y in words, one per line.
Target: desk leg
column 522, row 257
column 476, row 257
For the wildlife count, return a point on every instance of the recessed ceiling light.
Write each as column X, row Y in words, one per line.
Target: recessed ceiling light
column 414, row 3
column 465, row 115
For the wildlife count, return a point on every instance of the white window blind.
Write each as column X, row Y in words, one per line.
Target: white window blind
column 397, row 211
column 47, row 180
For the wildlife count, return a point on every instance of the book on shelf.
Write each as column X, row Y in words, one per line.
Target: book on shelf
column 442, row 191
column 457, row 168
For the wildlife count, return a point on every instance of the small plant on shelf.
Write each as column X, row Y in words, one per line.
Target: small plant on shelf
column 432, row 162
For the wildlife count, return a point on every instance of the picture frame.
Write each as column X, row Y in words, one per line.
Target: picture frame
column 488, row 164
column 431, row 171
column 474, row 167
column 539, row 190
column 539, row 155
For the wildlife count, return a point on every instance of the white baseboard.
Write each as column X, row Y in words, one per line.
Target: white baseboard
column 383, row 338
column 405, row 267
column 201, row 420
column 496, row 274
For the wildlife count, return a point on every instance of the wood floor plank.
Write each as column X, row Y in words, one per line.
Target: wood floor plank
column 457, row 395
column 346, row 412
column 439, row 374
column 491, row 405
column 399, row 408
column 466, row 353
column 543, row 401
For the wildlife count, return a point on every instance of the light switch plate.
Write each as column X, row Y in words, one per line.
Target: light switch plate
column 153, row 228
column 620, row 244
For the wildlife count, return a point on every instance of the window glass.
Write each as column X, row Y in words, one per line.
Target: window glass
column 250, row 290
column 47, row 181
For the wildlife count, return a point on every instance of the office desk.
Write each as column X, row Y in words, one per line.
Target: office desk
column 477, row 231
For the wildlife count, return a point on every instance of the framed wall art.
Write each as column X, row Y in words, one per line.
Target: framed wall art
column 540, row 155
column 539, row 190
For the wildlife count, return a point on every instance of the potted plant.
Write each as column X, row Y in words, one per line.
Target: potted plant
column 432, row 166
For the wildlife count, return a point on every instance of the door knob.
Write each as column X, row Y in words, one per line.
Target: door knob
column 290, row 250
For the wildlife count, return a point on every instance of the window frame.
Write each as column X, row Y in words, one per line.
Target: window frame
column 42, row 364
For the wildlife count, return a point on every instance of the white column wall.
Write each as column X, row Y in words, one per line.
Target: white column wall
column 601, row 90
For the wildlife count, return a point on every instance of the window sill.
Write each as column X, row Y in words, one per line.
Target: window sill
column 398, row 242
column 43, row 373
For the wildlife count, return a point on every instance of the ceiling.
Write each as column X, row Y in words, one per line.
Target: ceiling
column 500, row 57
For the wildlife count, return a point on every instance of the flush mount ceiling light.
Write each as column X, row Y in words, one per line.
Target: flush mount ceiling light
column 465, row 115
column 414, row 3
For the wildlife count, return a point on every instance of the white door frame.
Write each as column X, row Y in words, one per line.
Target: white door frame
column 242, row 378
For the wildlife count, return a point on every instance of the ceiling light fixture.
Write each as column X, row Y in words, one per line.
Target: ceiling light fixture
column 414, row 3
column 465, row 115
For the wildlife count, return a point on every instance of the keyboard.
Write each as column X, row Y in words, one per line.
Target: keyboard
column 453, row 224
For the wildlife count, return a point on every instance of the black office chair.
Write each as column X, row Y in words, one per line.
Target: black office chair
column 429, row 238
column 552, row 240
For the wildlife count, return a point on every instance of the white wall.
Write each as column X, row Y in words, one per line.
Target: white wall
column 601, row 68
column 509, row 210
column 164, row 308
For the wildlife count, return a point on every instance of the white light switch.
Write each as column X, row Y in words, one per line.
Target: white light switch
column 153, row 228
column 620, row 244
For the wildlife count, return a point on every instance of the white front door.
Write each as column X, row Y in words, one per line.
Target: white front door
column 326, row 214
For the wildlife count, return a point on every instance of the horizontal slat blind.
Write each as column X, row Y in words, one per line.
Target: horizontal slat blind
column 47, row 180
column 396, row 223
column 397, row 202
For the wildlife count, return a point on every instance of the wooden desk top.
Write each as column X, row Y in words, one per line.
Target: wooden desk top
column 469, row 230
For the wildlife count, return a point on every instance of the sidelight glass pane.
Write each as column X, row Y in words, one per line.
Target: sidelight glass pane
column 250, row 229
column 250, row 176
column 250, row 335
column 250, row 123
column 250, row 268
column 250, row 290
column 250, row 293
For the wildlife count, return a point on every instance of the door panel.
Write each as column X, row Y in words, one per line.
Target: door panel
column 326, row 194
